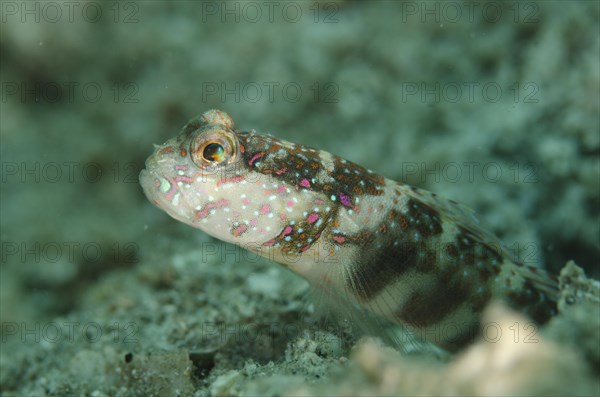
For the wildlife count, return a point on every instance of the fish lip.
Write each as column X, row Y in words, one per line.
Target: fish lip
column 144, row 174
column 147, row 179
column 150, row 166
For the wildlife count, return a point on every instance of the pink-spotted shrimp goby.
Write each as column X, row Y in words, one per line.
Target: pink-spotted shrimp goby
column 399, row 252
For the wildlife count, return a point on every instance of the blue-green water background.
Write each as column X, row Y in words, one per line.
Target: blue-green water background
column 494, row 105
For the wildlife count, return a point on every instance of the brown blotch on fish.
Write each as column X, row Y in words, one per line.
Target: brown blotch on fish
column 425, row 218
column 427, row 260
column 535, row 302
column 452, row 251
column 429, row 307
column 344, row 177
column 383, row 257
column 375, row 267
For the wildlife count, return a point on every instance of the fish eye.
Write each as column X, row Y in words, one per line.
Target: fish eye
column 213, row 149
column 214, row 152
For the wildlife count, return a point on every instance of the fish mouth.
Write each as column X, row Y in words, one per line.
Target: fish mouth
column 151, row 183
column 163, row 193
column 150, row 176
column 159, row 180
column 143, row 177
column 148, row 181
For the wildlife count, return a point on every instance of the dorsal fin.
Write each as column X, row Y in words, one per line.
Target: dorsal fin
column 466, row 218
column 458, row 214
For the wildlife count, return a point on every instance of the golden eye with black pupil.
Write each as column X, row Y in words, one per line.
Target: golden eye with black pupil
column 213, row 148
column 214, row 152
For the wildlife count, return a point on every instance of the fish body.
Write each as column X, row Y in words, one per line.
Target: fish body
column 402, row 253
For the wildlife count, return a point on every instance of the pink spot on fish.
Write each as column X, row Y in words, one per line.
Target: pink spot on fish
column 287, row 230
column 345, row 199
column 239, row 230
column 246, row 200
column 281, row 171
column 183, row 178
column 339, row 239
column 305, row 183
column 312, row 217
column 205, row 211
column 290, row 203
column 172, row 188
column 233, row 179
column 319, row 201
column 255, row 157
column 253, row 222
column 281, row 189
column 265, row 209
